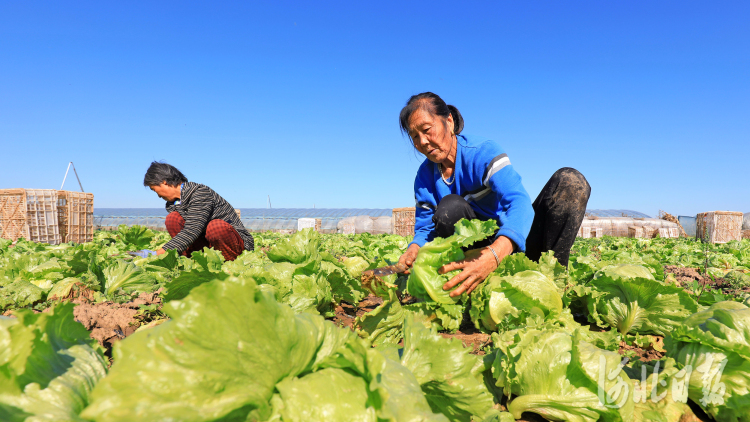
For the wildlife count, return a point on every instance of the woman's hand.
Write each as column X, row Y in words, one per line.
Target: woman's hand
column 478, row 264
column 161, row 251
column 409, row 256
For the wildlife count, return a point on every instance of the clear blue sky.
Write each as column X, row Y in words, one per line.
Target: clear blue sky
column 299, row 101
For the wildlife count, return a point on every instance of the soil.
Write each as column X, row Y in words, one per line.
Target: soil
column 646, row 354
column 471, row 339
column 643, row 354
column 685, row 277
column 530, row 417
column 469, row 336
column 346, row 312
column 110, row 322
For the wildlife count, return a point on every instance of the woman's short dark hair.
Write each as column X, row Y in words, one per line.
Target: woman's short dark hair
column 162, row 172
column 434, row 105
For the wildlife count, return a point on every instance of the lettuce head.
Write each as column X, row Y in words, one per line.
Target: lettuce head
column 714, row 347
column 425, row 283
column 514, row 299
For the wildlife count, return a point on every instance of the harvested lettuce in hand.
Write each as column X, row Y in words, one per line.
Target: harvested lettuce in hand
column 425, row 283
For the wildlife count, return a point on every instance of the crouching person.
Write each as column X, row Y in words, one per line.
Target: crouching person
column 198, row 216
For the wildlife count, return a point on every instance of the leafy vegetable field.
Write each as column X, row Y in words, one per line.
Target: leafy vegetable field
column 634, row 330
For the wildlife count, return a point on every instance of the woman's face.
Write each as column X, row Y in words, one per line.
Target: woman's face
column 431, row 135
column 167, row 192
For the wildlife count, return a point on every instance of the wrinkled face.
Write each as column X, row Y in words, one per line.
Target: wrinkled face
column 431, row 135
column 166, row 192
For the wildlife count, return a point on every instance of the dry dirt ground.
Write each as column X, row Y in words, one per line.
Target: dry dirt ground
column 685, row 277
column 109, row 321
column 643, row 354
column 469, row 336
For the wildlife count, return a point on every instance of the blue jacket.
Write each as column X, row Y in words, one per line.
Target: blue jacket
column 486, row 179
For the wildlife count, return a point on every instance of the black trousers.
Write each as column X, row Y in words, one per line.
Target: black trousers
column 558, row 212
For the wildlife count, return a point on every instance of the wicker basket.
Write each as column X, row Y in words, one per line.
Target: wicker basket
column 635, row 231
column 30, row 214
column 667, row 232
column 403, row 221
column 719, row 226
column 590, row 232
column 75, row 216
column 746, row 234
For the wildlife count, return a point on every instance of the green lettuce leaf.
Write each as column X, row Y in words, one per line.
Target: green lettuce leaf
column 38, row 268
column 384, row 324
column 557, row 375
column 624, row 271
column 48, row 366
column 440, row 316
column 425, row 283
column 208, row 259
column 657, row 392
column 316, row 398
column 187, row 281
column 231, row 352
column 638, row 305
column 223, row 351
column 514, row 299
column 301, row 247
column 451, row 378
column 396, row 387
column 355, row 265
column 296, row 274
column 345, row 285
column 515, row 263
column 494, row 415
column 63, row 287
column 19, row 294
column 163, row 267
column 715, row 345
column 128, row 277
column 135, row 237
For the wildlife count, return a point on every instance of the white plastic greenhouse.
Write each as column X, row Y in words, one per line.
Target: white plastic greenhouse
column 373, row 220
column 254, row 219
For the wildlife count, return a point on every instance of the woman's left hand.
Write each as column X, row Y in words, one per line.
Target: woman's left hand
column 476, row 266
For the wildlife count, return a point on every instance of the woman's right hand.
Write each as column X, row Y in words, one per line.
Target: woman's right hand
column 409, row 256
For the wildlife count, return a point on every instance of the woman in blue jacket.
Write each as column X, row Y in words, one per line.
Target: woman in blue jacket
column 471, row 177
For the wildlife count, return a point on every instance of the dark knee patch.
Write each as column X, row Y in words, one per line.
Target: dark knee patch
column 573, row 189
column 451, row 200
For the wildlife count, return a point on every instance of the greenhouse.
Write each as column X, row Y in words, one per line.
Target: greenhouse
column 254, row 219
column 285, row 219
column 616, row 213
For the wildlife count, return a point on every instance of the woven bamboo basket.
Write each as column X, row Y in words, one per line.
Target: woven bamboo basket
column 667, row 232
column 746, row 234
column 619, row 228
column 626, row 226
column 403, row 221
column 30, row 214
column 75, row 216
column 635, row 231
column 719, row 226
column 591, row 232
